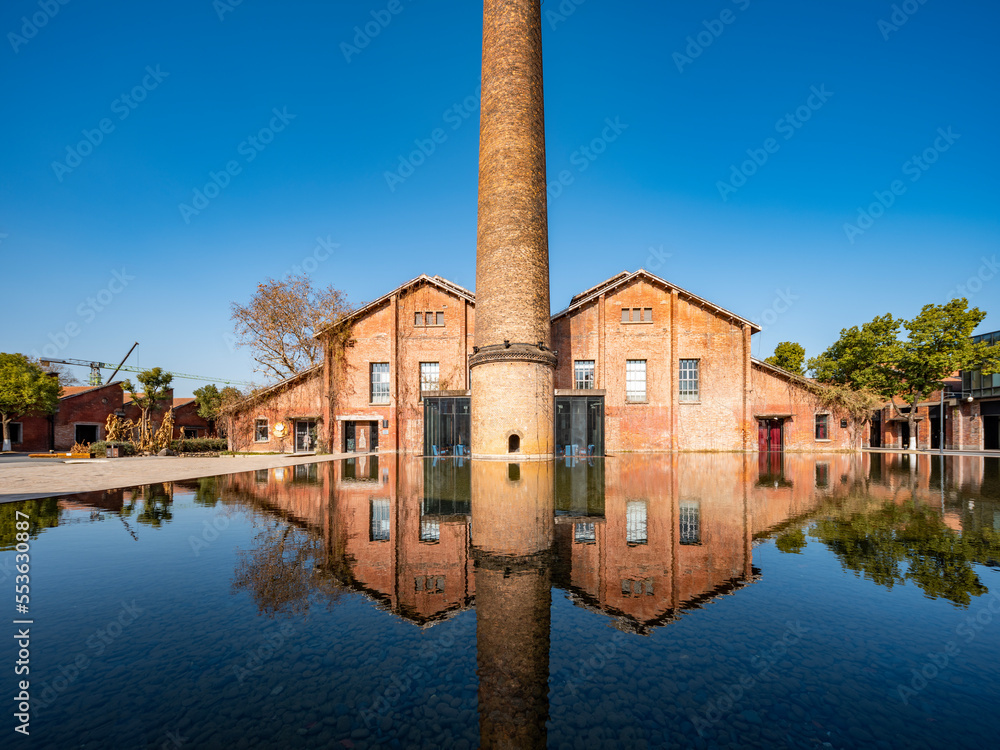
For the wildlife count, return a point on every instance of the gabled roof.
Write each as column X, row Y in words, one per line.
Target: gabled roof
column 782, row 371
column 442, row 283
column 252, row 398
column 179, row 402
column 68, row 391
column 626, row 277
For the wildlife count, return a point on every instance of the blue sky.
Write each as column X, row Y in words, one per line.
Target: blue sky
column 747, row 135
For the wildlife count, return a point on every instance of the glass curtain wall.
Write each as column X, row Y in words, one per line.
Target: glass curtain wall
column 447, row 426
column 580, row 426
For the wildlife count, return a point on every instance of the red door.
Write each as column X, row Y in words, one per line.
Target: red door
column 775, row 443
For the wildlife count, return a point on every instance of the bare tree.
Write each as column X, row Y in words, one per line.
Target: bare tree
column 279, row 322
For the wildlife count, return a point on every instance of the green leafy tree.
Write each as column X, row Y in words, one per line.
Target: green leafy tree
column 937, row 344
column 211, row 402
column 154, row 385
column 789, row 356
column 25, row 388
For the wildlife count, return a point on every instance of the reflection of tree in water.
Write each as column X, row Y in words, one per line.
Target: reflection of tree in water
column 42, row 514
column 157, row 504
column 892, row 544
column 207, row 492
column 793, row 541
column 282, row 571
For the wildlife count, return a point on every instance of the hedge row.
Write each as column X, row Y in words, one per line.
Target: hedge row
column 99, row 449
column 199, row 445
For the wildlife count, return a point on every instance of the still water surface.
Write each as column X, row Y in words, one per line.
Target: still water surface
column 670, row 601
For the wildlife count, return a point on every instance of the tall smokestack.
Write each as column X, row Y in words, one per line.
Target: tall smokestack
column 512, row 367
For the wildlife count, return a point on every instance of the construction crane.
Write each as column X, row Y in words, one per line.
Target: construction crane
column 96, row 367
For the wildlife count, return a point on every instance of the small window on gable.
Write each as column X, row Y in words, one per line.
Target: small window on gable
column 418, row 319
column 647, row 315
column 625, row 314
column 439, row 317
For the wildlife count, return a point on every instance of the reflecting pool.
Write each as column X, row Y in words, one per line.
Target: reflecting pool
column 703, row 600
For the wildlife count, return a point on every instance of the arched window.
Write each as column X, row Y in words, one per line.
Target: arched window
column 513, row 444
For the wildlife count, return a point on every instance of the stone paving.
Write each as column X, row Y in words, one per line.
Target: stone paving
column 24, row 481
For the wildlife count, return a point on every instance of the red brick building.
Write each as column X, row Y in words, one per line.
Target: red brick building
column 83, row 413
column 80, row 418
column 643, row 366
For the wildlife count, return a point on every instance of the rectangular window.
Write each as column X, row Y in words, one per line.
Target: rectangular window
column 583, row 374
column 430, row 531
column 647, row 315
column 439, row 318
column 690, row 517
column 635, row 522
column 689, row 380
column 260, row 431
column 584, row 533
column 635, row 380
column 380, row 382
column 418, row 319
column 822, row 426
column 380, row 520
column 430, row 374
column 16, row 433
column 625, row 314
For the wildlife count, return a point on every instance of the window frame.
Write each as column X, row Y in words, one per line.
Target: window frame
column 437, row 378
column 576, row 374
column 637, row 315
column 688, row 396
column 20, row 432
column 826, row 426
column 387, row 382
column 267, row 430
column 636, row 524
column 630, row 395
column 379, row 504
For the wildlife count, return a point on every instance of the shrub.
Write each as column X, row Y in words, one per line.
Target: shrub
column 199, row 445
column 99, row 449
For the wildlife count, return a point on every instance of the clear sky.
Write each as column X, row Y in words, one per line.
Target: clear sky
column 746, row 135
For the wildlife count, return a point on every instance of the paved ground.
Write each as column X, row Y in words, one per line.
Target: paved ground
column 23, row 478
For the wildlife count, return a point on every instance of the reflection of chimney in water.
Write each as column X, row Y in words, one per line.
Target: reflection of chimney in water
column 512, row 535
